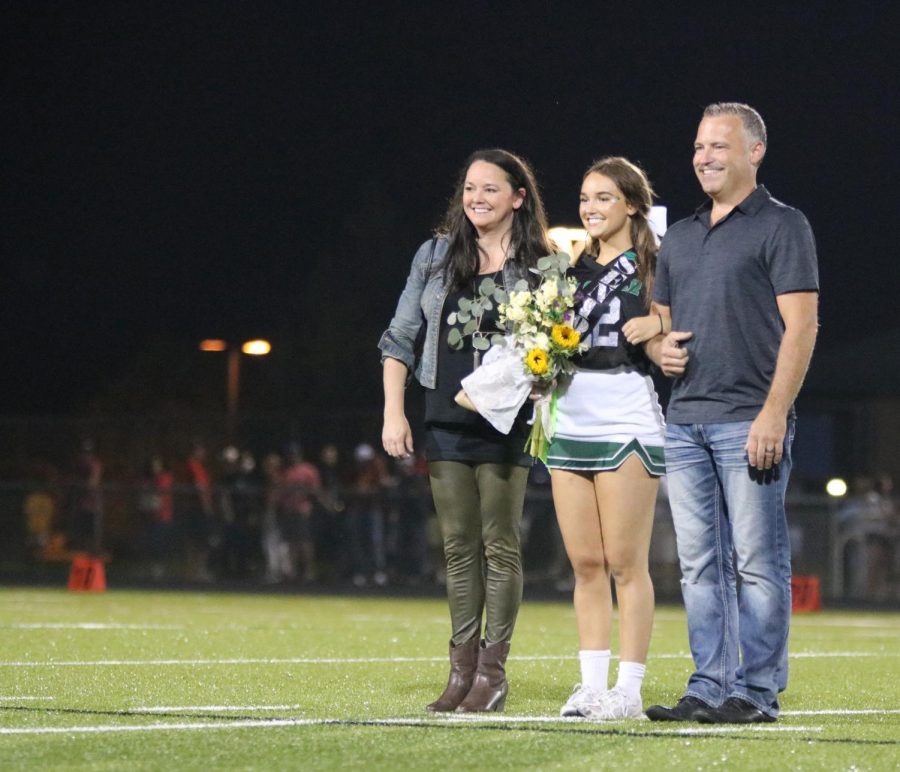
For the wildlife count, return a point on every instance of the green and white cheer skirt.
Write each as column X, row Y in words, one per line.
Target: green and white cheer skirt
column 602, row 417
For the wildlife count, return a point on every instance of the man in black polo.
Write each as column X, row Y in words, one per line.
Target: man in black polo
column 740, row 282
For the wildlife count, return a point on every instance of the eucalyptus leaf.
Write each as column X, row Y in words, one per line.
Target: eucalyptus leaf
column 563, row 262
column 501, row 295
column 545, row 263
column 470, row 327
column 498, row 340
column 487, row 286
column 481, row 343
column 463, row 316
column 487, row 304
column 451, row 320
column 521, row 286
column 455, row 339
column 465, row 304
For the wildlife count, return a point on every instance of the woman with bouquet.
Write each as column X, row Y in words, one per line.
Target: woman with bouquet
column 495, row 227
column 606, row 454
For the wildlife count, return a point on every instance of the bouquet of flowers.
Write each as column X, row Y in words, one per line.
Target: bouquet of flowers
column 539, row 335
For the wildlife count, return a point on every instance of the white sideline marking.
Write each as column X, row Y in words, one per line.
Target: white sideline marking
column 388, row 618
column 288, row 722
column 813, row 622
column 240, row 661
column 738, row 728
column 804, row 654
column 211, row 708
column 10, row 698
column 100, row 729
column 800, row 620
column 86, row 626
column 864, row 712
column 371, row 660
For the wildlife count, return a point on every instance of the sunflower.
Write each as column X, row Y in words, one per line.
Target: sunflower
column 564, row 336
column 537, row 361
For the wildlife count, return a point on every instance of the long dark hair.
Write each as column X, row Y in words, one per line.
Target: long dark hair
column 528, row 240
column 633, row 182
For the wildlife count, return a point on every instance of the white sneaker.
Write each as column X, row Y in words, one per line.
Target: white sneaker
column 613, row 705
column 575, row 704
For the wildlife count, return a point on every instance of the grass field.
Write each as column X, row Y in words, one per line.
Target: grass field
column 165, row 680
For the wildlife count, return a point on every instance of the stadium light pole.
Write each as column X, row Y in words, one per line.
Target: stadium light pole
column 256, row 347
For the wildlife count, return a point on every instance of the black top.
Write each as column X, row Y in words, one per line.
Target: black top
column 608, row 347
column 452, row 432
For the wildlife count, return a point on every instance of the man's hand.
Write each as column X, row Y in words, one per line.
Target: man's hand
column 674, row 358
column 765, row 442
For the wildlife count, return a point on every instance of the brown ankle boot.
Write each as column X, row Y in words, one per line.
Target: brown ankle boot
column 489, row 690
column 463, row 662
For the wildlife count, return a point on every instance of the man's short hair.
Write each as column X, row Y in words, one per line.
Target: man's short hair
column 752, row 120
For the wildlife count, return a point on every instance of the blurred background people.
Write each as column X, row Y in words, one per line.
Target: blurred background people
column 85, row 500
column 365, row 517
column 301, row 486
column 156, row 509
column 200, row 526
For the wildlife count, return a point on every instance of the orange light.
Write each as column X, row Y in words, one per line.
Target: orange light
column 213, row 344
column 257, row 348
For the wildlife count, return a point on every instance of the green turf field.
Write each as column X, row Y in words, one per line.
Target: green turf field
column 164, row 680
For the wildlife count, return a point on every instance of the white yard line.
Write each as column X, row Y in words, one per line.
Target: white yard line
column 200, row 725
column 812, row 621
column 210, row 708
column 801, row 620
column 241, row 708
column 18, row 698
column 365, row 660
column 86, row 626
column 294, row 722
column 817, row 654
column 863, row 712
column 236, row 661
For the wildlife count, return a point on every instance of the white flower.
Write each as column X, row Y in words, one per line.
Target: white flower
column 549, row 291
column 520, row 299
column 541, row 340
column 515, row 313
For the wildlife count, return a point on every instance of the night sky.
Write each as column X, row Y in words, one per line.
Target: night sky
column 235, row 169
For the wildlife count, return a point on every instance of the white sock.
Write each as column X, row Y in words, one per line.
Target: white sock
column 630, row 677
column 595, row 669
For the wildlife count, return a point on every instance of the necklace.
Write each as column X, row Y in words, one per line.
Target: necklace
column 496, row 277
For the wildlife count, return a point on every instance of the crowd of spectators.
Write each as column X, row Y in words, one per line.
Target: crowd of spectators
column 350, row 516
column 278, row 517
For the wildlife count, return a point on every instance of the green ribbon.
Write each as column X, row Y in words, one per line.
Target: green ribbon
column 538, row 444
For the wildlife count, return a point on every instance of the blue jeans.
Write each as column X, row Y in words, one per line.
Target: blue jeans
column 730, row 520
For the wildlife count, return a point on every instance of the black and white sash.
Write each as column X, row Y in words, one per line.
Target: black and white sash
column 594, row 305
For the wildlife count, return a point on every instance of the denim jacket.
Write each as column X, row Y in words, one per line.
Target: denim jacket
column 422, row 301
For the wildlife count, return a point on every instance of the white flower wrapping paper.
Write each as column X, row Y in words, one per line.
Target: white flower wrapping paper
column 499, row 387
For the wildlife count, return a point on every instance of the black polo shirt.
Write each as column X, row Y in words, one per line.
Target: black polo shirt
column 721, row 284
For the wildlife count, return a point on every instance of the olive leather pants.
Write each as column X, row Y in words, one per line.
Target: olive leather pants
column 479, row 509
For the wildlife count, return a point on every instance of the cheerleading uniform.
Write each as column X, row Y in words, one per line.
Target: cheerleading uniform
column 608, row 409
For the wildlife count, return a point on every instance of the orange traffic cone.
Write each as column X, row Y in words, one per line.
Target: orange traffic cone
column 806, row 595
column 87, row 574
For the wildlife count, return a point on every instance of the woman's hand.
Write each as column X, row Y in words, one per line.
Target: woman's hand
column 396, row 436
column 540, row 389
column 642, row 328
